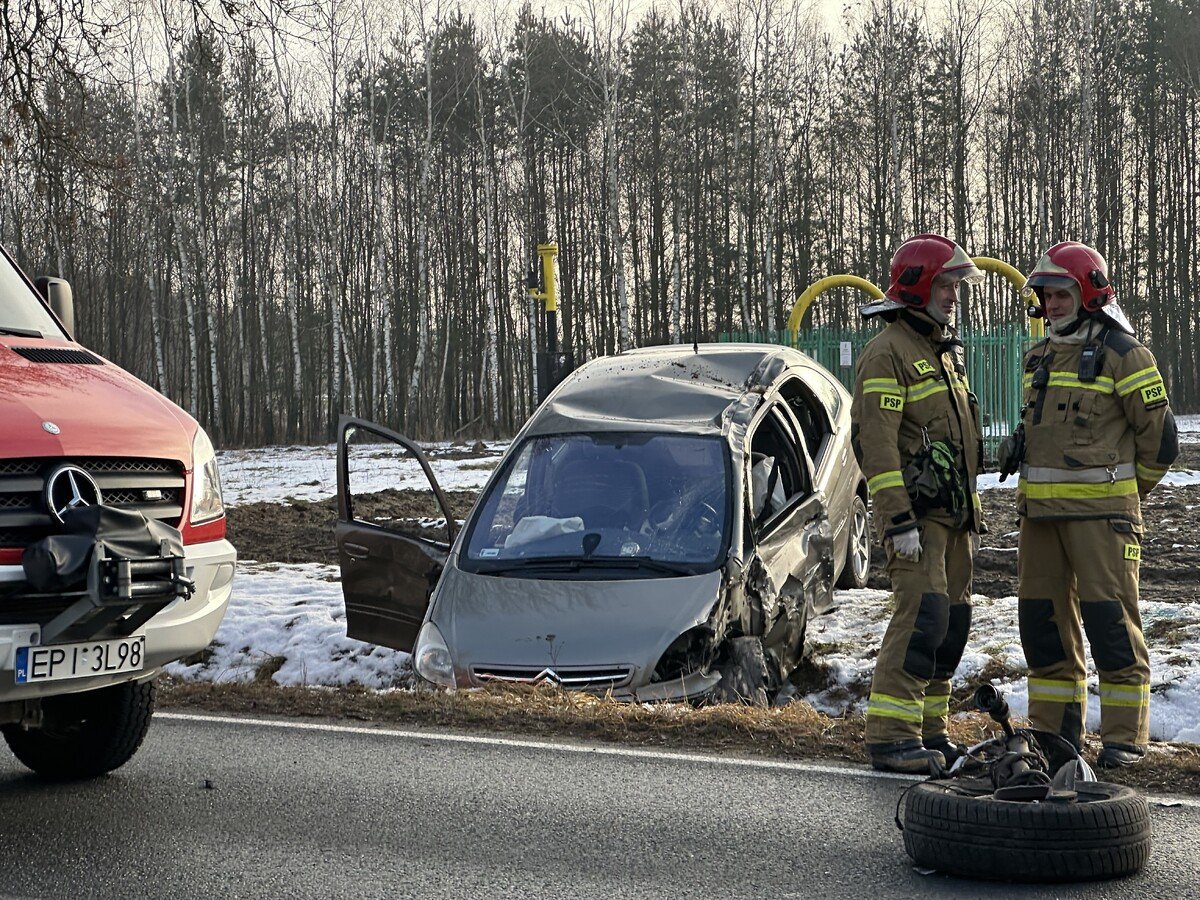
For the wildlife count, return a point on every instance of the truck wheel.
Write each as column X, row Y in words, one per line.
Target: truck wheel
column 857, row 566
column 1103, row 834
column 744, row 677
column 87, row 734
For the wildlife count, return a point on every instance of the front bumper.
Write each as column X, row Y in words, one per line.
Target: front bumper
column 184, row 627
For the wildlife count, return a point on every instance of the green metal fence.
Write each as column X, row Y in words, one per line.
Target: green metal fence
column 993, row 365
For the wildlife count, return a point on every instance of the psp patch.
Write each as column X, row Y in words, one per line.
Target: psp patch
column 923, row 367
column 1154, row 393
column 1133, row 552
column 891, row 402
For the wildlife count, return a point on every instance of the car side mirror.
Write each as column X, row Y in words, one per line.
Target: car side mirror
column 57, row 294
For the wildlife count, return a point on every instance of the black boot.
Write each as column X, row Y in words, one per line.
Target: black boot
column 906, row 756
column 1119, row 756
column 943, row 745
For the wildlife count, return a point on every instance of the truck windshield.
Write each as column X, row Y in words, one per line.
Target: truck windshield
column 655, row 502
column 20, row 311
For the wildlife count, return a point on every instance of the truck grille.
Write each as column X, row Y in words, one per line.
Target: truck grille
column 150, row 486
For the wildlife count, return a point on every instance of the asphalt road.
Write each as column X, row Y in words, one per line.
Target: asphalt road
column 226, row 808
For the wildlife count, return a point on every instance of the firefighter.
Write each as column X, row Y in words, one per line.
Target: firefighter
column 915, row 431
column 1098, row 436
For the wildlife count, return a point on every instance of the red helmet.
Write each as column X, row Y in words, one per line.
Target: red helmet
column 917, row 262
column 1071, row 263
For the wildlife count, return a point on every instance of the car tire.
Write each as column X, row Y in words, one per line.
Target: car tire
column 744, row 673
column 87, row 734
column 857, row 567
column 1106, row 833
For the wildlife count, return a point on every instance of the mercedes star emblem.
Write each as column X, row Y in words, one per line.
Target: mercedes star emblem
column 69, row 487
column 51, row 427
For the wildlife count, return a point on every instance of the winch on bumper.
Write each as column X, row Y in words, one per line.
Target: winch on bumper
column 176, row 605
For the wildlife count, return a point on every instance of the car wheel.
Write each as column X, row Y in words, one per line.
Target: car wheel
column 85, row 735
column 857, row 566
column 1105, row 832
column 744, row 673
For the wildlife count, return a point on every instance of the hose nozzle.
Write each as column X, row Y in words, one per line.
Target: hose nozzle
column 988, row 700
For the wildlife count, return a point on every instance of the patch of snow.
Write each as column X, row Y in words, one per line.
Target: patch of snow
column 292, row 614
column 284, row 474
column 1189, row 428
column 847, row 640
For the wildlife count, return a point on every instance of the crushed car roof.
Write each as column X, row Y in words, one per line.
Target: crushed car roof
column 666, row 388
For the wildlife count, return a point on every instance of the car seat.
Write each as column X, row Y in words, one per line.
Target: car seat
column 603, row 492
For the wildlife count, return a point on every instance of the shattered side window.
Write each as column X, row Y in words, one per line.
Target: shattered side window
column 660, row 497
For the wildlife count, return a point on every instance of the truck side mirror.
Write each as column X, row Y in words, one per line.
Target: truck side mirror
column 57, row 294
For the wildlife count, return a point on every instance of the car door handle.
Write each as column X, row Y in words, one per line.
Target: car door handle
column 356, row 551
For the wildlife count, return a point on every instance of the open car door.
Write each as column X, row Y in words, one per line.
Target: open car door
column 389, row 560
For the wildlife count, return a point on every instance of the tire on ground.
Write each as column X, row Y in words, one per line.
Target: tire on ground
column 849, row 579
column 87, row 734
column 744, row 673
column 981, row 837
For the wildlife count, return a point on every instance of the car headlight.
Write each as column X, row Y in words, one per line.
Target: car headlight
column 207, row 504
column 431, row 657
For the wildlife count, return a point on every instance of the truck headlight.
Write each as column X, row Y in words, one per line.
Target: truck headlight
column 431, row 657
column 207, row 504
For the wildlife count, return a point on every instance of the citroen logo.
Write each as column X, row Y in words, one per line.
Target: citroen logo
column 546, row 676
column 50, row 428
column 69, row 487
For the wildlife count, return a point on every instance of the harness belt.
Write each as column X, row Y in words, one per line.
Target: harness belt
column 1091, row 475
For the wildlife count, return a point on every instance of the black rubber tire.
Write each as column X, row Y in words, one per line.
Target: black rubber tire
column 850, row 579
column 981, row 837
column 87, row 734
column 744, row 673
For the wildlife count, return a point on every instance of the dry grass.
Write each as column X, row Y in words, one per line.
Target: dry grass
column 793, row 731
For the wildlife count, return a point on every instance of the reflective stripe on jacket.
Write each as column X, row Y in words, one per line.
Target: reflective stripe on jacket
column 911, row 382
column 1093, row 447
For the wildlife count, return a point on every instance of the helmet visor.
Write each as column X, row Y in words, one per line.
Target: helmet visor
column 960, row 267
column 1048, row 280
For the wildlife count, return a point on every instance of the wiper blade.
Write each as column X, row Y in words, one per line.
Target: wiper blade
column 20, row 332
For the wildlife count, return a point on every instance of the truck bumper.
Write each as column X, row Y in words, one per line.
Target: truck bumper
column 183, row 628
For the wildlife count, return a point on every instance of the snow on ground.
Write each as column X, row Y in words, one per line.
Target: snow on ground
column 284, row 474
column 292, row 618
column 842, row 640
column 289, row 620
column 1189, row 429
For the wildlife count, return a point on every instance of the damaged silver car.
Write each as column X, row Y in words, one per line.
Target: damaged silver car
column 662, row 528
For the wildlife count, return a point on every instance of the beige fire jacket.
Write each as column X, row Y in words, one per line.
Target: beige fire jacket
column 1097, row 437
column 911, row 386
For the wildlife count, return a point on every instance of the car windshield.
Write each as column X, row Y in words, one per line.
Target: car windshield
column 20, row 311
column 654, row 502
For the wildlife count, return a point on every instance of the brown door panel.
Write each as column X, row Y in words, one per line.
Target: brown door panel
column 387, row 580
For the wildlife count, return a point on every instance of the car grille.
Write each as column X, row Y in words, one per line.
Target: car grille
column 150, row 486
column 589, row 678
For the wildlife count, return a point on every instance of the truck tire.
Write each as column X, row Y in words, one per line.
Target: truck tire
column 857, row 567
column 1104, row 834
column 744, row 675
column 87, row 734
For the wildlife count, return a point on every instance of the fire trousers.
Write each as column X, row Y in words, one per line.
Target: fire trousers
column 1084, row 572
column 925, row 639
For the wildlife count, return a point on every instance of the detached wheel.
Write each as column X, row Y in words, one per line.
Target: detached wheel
column 744, row 674
column 85, row 735
column 858, row 548
column 1103, row 834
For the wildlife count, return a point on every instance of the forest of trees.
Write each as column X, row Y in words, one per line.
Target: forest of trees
column 330, row 208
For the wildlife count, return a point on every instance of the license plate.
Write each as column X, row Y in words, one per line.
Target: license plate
column 58, row 662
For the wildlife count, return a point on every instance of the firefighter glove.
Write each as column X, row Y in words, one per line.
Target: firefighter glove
column 907, row 544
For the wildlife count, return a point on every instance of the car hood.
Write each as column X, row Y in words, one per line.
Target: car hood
column 99, row 410
column 489, row 620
